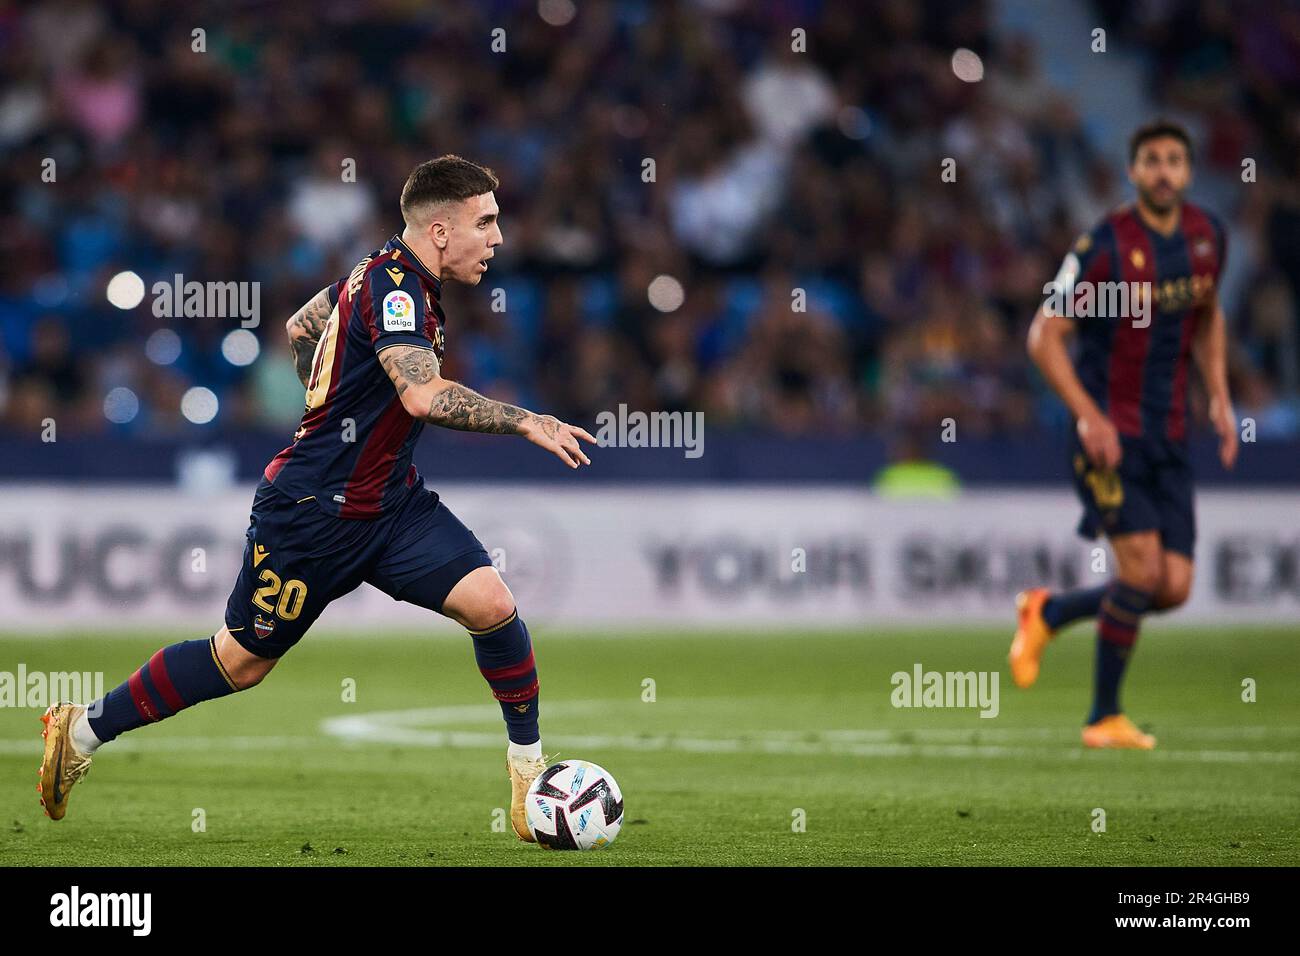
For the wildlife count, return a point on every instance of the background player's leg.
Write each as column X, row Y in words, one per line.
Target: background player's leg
column 176, row 677
column 1060, row 610
column 1063, row 609
column 1128, row 597
column 1176, row 583
column 483, row 604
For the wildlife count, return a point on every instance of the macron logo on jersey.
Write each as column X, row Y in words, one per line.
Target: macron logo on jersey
column 399, row 312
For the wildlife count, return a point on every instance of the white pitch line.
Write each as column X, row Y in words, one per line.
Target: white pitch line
column 481, row 741
column 32, row 745
column 423, row 727
column 432, row 727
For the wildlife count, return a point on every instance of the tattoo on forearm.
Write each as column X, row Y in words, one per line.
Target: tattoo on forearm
column 305, row 329
column 466, row 410
column 455, row 406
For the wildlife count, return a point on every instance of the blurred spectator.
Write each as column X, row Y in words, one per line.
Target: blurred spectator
column 774, row 171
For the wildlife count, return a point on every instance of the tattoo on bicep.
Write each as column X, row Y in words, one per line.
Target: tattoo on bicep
column 304, row 354
column 409, row 365
column 466, row 410
column 305, row 329
column 309, row 321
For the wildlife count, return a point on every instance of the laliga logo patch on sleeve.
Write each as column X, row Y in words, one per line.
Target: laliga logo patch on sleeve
column 399, row 312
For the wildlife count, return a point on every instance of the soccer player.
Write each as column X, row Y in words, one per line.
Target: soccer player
column 344, row 505
column 1127, row 393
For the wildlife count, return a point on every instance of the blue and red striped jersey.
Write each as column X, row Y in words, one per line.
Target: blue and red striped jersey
column 1137, row 372
column 352, row 452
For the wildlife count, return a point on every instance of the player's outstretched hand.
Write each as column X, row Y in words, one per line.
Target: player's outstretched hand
column 1100, row 440
column 1225, row 426
column 559, row 438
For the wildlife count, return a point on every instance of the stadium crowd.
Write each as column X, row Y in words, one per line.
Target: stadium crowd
column 773, row 171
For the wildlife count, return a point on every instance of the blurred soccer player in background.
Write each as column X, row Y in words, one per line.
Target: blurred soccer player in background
column 1127, row 393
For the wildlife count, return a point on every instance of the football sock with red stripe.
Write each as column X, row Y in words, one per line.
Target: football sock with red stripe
column 176, row 677
column 1117, row 630
column 504, row 654
column 1070, row 606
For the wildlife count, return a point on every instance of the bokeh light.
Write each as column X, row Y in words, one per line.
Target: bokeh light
column 121, row 405
column 967, row 65
column 163, row 347
column 199, row 405
column 125, row 290
column 556, row 12
column 240, row 347
column 666, row 293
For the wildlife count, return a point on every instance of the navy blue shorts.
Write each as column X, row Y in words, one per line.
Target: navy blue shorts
column 1151, row 490
column 298, row 559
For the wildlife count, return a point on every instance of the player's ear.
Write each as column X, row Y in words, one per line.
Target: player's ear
column 438, row 232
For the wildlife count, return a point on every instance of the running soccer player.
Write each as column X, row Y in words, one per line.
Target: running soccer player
column 1127, row 393
column 344, row 505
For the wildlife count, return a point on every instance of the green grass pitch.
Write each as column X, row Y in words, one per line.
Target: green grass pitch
column 745, row 731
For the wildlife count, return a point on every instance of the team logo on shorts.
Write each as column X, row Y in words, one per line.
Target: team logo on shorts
column 399, row 312
column 262, row 627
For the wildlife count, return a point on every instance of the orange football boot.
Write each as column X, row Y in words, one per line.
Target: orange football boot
column 1117, row 731
column 1032, row 635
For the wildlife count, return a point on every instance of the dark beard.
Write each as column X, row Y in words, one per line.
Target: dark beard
column 1150, row 202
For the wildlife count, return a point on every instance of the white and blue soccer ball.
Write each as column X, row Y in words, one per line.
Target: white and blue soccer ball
column 574, row 805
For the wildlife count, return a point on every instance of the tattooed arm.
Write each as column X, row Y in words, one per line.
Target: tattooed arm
column 305, row 328
column 428, row 396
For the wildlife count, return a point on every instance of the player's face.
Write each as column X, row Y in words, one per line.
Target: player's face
column 472, row 240
column 1161, row 172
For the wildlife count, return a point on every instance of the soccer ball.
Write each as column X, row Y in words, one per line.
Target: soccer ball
column 574, row 805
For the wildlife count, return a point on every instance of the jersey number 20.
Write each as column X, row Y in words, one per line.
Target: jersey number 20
column 293, row 595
